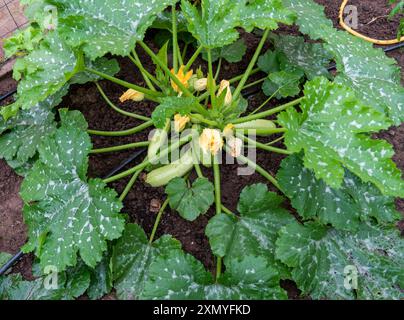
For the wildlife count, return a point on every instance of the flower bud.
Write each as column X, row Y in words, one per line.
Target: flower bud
column 235, row 145
column 180, row 122
column 132, row 95
column 225, row 85
column 201, row 84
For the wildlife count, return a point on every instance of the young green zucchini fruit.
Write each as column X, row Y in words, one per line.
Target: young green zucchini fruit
column 158, row 140
column 262, row 127
column 163, row 175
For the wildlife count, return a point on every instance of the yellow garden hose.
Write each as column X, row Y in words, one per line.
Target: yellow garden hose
column 357, row 34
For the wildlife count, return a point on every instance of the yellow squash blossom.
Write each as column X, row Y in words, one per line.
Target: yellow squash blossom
column 225, row 85
column 228, row 130
column 180, row 122
column 183, row 77
column 211, row 141
column 201, row 84
column 132, row 95
column 235, row 145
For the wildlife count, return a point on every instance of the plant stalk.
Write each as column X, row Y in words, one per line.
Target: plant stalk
column 149, row 94
column 251, row 65
column 119, row 110
column 120, row 148
column 122, row 133
column 263, row 146
column 158, row 219
column 129, row 185
column 193, row 58
column 267, row 113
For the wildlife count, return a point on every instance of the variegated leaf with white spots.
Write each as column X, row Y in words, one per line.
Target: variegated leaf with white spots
column 131, row 259
column 215, row 24
column 179, row 276
column 328, row 262
column 253, row 232
column 21, row 135
column 334, row 131
column 373, row 76
column 42, row 73
column 102, row 27
column 344, row 208
column 65, row 212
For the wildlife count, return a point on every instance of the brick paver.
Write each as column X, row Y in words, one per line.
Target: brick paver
column 11, row 19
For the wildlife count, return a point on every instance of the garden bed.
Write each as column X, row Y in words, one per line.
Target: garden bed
column 141, row 202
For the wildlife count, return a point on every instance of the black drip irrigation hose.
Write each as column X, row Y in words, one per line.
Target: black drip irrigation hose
column 9, row 94
column 135, row 155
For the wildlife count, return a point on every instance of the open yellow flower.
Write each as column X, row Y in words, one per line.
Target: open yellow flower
column 225, row 85
column 211, row 141
column 183, row 77
column 180, row 122
column 235, row 145
column 132, row 95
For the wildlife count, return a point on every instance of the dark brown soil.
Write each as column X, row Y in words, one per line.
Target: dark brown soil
column 138, row 202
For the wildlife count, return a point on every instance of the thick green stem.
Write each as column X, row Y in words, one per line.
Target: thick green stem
column 252, row 84
column 262, row 146
column 267, row 113
column 193, row 58
column 149, row 94
column 122, row 133
column 256, row 167
column 113, row 106
column 175, row 40
column 158, row 219
column 218, row 203
column 145, row 163
column 129, row 185
column 148, row 78
column 251, row 65
column 120, row 148
column 166, row 70
column 184, row 52
column 275, row 141
column 198, row 118
column 211, row 82
column 219, row 66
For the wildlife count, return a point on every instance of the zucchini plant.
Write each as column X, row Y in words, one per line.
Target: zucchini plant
column 338, row 177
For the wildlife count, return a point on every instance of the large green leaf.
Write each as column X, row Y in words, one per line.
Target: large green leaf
column 43, row 73
column 69, row 285
column 101, row 278
column 324, row 258
column 179, row 276
column 344, row 208
column 252, row 233
column 334, row 131
column 373, row 76
column 22, row 134
column 102, row 27
column 313, row 58
column 231, row 53
column 64, row 210
column 190, row 202
column 264, row 14
column 132, row 256
column 215, row 24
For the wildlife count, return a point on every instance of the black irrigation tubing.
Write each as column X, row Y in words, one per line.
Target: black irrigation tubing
column 135, row 155
column 9, row 264
column 8, row 95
